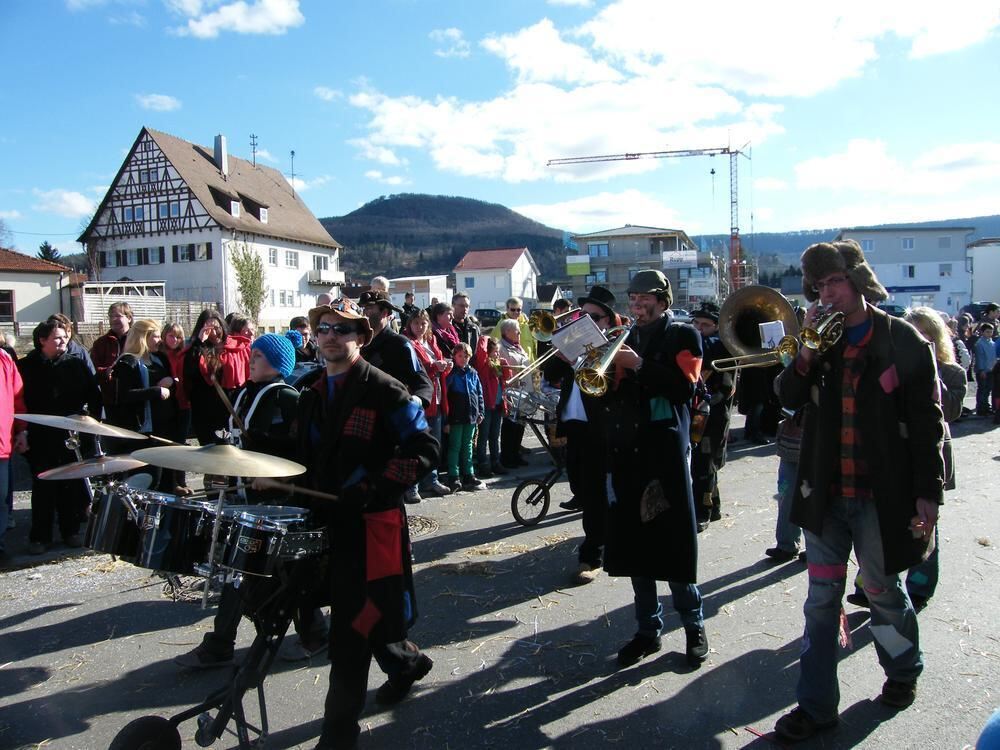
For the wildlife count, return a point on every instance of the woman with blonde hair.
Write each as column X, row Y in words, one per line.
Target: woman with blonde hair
column 141, row 383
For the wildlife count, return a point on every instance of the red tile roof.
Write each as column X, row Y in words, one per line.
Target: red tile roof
column 482, row 260
column 11, row 260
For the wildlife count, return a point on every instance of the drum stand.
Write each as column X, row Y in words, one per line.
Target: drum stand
column 73, row 444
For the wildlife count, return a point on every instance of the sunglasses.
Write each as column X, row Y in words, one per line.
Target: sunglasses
column 513, row 309
column 341, row 329
column 597, row 316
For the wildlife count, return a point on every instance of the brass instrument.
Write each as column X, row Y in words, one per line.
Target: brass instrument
column 826, row 331
column 531, row 368
column 741, row 314
column 543, row 324
column 591, row 376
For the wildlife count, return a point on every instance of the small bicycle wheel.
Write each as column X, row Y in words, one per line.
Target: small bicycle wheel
column 147, row 733
column 530, row 502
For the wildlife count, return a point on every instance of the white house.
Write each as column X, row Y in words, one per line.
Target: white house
column 984, row 255
column 923, row 265
column 491, row 277
column 31, row 290
column 424, row 289
column 176, row 212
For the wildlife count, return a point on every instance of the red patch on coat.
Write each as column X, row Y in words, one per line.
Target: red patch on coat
column 360, row 424
column 366, row 618
column 889, row 380
column 383, row 544
column 690, row 365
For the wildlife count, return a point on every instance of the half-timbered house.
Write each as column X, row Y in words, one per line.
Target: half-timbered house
column 177, row 212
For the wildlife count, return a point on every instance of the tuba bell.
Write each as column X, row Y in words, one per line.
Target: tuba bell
column 739, row 319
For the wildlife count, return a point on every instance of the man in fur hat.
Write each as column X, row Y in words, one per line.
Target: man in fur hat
column 709, row 454
column 870, row 402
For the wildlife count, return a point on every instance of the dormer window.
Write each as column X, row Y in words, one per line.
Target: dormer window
column 234, row 208
column 263, row 215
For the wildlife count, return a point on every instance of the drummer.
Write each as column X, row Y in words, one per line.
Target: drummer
column 366, row 440
column 266, row 410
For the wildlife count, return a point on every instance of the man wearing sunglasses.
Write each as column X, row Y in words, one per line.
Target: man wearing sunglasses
column 365, row 440
column 870, row 478
column 515, row 311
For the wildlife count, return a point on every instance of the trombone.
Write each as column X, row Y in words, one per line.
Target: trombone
column 592, row 377
column 543, row 324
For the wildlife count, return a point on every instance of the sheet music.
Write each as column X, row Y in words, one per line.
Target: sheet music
column 574, row 339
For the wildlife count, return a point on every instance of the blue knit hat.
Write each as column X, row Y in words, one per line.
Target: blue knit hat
column 278, row 351
column 295, row 337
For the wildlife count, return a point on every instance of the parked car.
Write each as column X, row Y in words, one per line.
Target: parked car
column 897, row 311
column 680, row 315
column 487, row 318
column 976, row 309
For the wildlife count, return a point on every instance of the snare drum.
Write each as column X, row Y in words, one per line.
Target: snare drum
column 111, row 528
column 175, row 533
column 253, row 541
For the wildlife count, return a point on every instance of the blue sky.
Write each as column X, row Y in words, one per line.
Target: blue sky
column 856, row 113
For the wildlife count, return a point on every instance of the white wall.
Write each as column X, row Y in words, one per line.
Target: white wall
column 985, row 272
column 36, row 296
column 489, row 289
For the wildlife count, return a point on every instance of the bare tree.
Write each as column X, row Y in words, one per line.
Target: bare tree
column 250, row 286
column 6, row 237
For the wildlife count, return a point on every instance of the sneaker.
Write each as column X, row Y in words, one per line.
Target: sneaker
column 498, row 468
column 436, row 488
column 898, row 694
column 398, row 687
column 454, row 483
column 73, row 540
column 586, row 573
column 697, row 645
column 637, row 648
column 36, row 548
column 797, row 725
column 858, row 599
column 300, row 651
column 780, row 555
column 411, row 496
column 572, row 504
column 202, row 658
column 471, row 483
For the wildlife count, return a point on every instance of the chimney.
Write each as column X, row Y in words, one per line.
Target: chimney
column 222, row 155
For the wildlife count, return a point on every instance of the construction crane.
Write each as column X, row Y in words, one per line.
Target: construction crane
column 738, row 272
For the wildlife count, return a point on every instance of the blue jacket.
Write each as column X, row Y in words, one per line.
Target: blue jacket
column 465, row 396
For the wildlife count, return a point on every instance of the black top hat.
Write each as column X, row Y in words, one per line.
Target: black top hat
column 601, row 297
column 708, row 310
column 375, row 297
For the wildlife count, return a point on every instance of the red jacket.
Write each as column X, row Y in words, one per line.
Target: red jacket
column 11, row 403
column 235, row 361
column 176, row 359
column 437, row 380
column 489, row 377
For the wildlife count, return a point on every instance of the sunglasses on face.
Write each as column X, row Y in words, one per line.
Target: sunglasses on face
column 341, row 329
column 596, row 316
column 514, row 309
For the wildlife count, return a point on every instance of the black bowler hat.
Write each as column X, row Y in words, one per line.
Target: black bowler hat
column 708, row 310
column 601, row 297
column 376, row 297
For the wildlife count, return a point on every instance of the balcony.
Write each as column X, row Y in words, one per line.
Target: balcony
column 326, row 277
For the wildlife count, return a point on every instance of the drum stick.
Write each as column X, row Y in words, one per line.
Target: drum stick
column 229, row 407
column 270, row 484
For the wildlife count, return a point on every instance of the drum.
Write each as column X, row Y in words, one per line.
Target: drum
column 112, row 528
column 174, row 533
column 253, row 541
column 298, row 545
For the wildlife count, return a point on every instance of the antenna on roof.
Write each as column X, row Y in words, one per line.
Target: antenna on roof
column 293, row 172
column 253, row 148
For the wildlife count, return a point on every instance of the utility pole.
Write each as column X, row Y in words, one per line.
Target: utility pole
column 293, row 172
column 253, row 148
column 737, row 270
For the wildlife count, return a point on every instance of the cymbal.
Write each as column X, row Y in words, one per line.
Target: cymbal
column 80, row 423
column 93, row 467
column 227, row 460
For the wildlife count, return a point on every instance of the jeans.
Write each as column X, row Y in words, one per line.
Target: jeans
column 787, row 535
column 850, row 522
column 984, row 382
column 489, row 435
column 649, row 610
column 5, row 488
column 434, row 423
column 460, row 450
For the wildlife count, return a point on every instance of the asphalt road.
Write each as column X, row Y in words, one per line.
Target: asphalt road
column 523, row 658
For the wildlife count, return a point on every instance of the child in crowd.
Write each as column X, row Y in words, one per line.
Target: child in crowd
column 465, row 412
column 493, row 374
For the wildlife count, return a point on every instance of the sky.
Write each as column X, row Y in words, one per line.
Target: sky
column 845, row 114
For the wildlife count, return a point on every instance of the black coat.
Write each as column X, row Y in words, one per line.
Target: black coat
column 902, row 428
column 649, row 424
column 468, row 331
column 391, row 353
column 721, row 389
column 366, row 446
column 128, row 404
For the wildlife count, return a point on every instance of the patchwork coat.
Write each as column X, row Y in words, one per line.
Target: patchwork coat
column 899, row 416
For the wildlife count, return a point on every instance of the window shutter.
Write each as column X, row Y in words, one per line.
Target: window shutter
column 208, row 251
column 174, row 250
column 120, row 255
column 144, row 259
column 103, row 258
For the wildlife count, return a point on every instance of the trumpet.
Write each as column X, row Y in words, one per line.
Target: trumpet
column 591, row 377
column 543, row 324
column 826, row 331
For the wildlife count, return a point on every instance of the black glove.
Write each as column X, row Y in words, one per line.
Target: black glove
column 356, row 496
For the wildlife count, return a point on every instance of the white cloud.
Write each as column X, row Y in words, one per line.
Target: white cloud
column 381, row 154
column 264, row 155
column 538, row 53
column 158, row 102
column 813, row 48
column 605, row 211
column 866, row 166
column 769, row 184
column 377, row 176
column 327, row 94
column 260, row 17
column 12, row 214
column 130, row 18
column 452, row 41
column 302, row 185
column 68, row 203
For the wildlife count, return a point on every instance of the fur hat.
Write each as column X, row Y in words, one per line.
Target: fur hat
column 846, row 257
column 278, row 351
column 652, row 281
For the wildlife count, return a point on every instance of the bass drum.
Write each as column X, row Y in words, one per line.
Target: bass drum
column 112, row 528
column 175, row 533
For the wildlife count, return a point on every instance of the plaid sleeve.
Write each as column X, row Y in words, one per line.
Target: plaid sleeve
column 417, row 450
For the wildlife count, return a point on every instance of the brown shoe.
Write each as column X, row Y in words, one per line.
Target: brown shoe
column 586, row 573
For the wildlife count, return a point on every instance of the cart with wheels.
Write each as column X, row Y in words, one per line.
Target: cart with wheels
column 530, row 502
